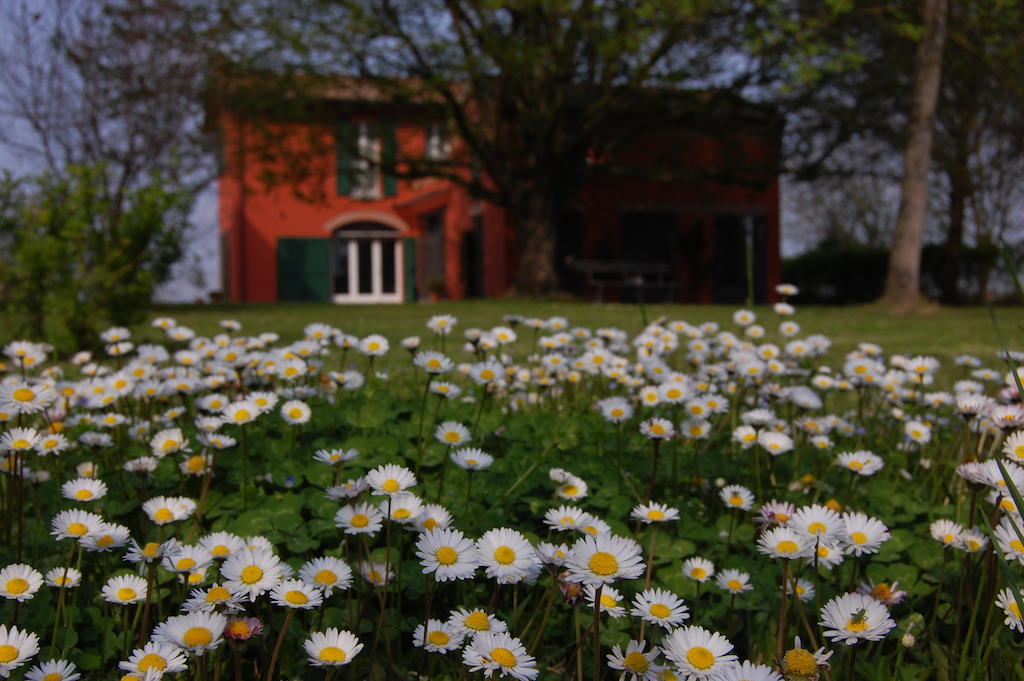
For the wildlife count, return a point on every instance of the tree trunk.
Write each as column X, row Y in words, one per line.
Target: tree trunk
column 535, row 233
column 903, row 283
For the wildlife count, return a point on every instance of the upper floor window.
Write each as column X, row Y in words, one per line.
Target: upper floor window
column 366, row 164
column 365, row 158
column 438, row 146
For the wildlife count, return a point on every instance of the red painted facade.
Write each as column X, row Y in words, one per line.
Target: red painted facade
column 690, row 233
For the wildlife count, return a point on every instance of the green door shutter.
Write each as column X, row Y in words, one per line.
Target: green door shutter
column 303, row 269
column 344, row 142
column 409, row 265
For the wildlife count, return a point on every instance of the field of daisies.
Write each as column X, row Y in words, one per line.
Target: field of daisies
column 533, row 500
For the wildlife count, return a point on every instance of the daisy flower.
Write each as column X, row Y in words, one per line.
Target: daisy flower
column 447, row 553
column 863, row 534
column 506, row 554
column 243, row 628
column 350, row 489
column 75, row 524
column 53, row 670
column 296, row 412
column 18, row 440
column 403, row 507
column 697, row 652
column 251, row 572
column 216, row 597
column 333, row 456
column 472, row 459
column 748, row 671
column 19, row 397
column 818, row 522
column 698, row 569
column 886, row 594
column 221, row 544
column 16, row 647
column 615, row 409
column 828, row 554
column 390, row 479
column 733, row 581
column 611, row 600
column 737, row 496
column 604, row 559
column 433, row 517
column 295, row 593
column 158, row 658
column 331, row 648
column 64, row 577
column 124, row 590
column 328, row 573
column 774, row 443
column 1011, row 608
column 566, row 518
column 660, row 607
column 946, row 532
column 972, row 540
column 854, row 617
column 19, row 582
column 657, row 428
column 432, row 362
column 240, row 413
column 196, row 632
column 804, row 590
column 785, row 542
column 187, row 558
column 1009, row 540
column 774, row 513
column 860, row 462
column 440, row 637
column 374, row 573
column 654, row 512
column 471, row 622
column 572, row 488
column 452, row 434
column 501, row 653
column 635, row 663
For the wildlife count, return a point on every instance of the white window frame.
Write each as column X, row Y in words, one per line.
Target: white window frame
column 366, row 178
column 377, row 245
column 438, row 147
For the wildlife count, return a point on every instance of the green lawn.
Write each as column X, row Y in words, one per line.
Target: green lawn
column 944, row 332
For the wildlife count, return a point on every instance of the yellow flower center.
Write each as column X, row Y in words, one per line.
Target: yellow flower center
column 197, row 636
column 857, row 626
column 152, row 661
column 360, row 520
column 390, row 485
column 817, row 528
column 658, row 429
column 701, row 658
column 332, row 654
column 218, row 594
column 150, row 550
column 477, row 621
column 660, row 610
column 53, row 676
column 242, row 415
column 83, row 494
column 21, row 443
column 734, row 584
column 295, row 413
column 855, row 465
column 325, row 577
column 504, row 555
column 1008, row 505
column 17, row 586
column 24, row 395
column 635, row 662
column 736, row 500
column 799, row 662
column 617, row 413
column 105, row 540
column 126, row 594
column 220, row 550
column 401, row 513
column 438, row 638
column 787, row 546
column 430, row 523
column 186, row 564
column 504, row 657
column 196, row 577
column 451, row 436
column 1017, row 545
column 239, row 628
column 296, row 597
column 698, row 573
column 655, row 514
column 446, row 555
column 252, row 574
column 195, row 463
column 77, row 529
column 570, row 490
column 603, row 563
column 1015, row 609
column 858, row 537
column 163, row 515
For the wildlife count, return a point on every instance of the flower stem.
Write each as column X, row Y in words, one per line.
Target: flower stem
column 277, row 646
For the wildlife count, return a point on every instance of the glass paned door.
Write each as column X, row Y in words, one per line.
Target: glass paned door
column 367, row 265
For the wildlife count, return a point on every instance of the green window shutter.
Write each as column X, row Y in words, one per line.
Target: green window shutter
column 303, row 269
column 409, row 265
column 344, row 141
column 387, row 161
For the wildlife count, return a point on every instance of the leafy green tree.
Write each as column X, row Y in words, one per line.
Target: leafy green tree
column 70, row 265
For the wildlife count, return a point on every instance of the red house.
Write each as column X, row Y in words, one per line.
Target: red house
column 339, row 228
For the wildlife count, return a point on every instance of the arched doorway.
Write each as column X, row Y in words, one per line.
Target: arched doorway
column 366, row 264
